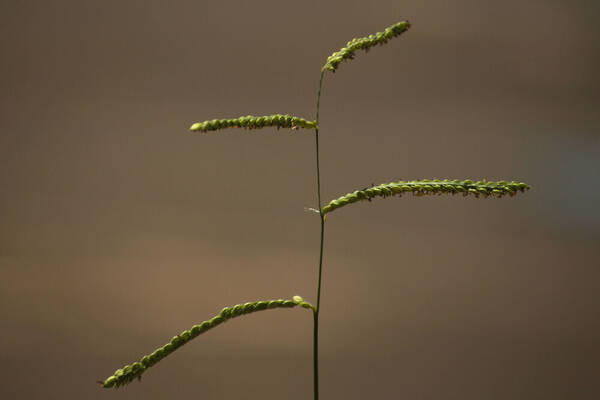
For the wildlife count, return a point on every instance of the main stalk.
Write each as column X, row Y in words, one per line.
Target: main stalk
column 322, row 217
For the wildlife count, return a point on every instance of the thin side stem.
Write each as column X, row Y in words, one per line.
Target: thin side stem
column 322, row 217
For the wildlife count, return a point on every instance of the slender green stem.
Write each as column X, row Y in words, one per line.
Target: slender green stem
column 322, row 217
column 316, row 354
column 318, row 308
column 317, row 140
column 316, row 314
column 319, row 96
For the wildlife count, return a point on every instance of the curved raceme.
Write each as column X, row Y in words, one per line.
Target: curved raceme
column 252, row 122
column 365, row 43
column 430, row 187
column 128, row 373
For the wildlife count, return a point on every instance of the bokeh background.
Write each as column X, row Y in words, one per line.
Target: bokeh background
column 120, row 229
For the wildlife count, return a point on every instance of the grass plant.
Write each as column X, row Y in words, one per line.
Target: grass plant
column 479, row 189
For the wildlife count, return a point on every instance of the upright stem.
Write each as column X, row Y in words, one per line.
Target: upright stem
column 317, row 143
column 322, row 217
column 316, row 317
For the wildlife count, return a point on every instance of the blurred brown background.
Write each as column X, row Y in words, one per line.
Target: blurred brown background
column 119, row 228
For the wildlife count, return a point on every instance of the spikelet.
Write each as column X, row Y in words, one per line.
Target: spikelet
column 364, row 43
column 252, row 122
column 430, row 187
column 134, row 371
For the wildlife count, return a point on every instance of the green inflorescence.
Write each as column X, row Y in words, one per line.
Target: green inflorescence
column 252, row 122
column 365, row 43
column 482, row 188
column 430, row 187
column 134, row 371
